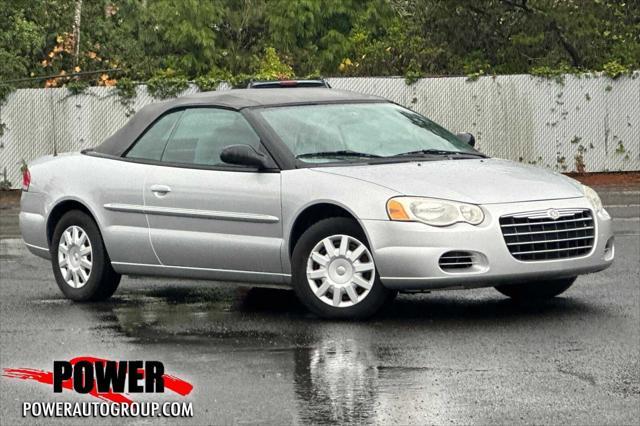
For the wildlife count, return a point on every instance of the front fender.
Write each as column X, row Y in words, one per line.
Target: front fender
column 303, row 188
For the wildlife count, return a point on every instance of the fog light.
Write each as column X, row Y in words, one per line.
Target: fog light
column 609, row 249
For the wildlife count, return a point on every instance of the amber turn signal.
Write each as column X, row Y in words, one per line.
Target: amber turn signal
column 396, row 210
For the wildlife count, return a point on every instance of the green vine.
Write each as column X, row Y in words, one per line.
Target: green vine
column 167, row 84
column 615, row 70
column 575, row 139
column 555, row 74
column 580, row 165
column 241, row 81
column 476, row 69
column 413, row 73
column 612, row 69
column 126, row 88
column 126, row 91
column 5, row 91
column 411, row 76
column 474, row 76
column 211, row 81
column 207, row 84
column 76, row 87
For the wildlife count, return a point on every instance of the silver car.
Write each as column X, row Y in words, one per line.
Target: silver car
column 345, row 197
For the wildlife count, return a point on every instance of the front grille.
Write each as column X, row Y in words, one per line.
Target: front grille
column 536, row 235
column 453, row 261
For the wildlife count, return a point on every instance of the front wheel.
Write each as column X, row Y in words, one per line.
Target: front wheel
column 334, row 274
column 81, row 265
column 536, row 290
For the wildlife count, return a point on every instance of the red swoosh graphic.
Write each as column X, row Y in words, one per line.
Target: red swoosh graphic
column 172, row 383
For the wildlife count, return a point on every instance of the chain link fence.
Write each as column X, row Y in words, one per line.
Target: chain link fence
column 589, row 124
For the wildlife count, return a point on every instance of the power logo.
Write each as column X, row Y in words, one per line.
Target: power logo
column 105, row 379
column 106, row 376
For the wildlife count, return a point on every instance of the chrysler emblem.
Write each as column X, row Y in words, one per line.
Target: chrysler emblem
column 553, row 214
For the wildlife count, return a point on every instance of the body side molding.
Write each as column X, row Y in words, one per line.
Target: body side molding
column 193, row 213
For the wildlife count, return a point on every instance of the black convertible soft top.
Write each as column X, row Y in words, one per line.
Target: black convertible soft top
column 120, row 141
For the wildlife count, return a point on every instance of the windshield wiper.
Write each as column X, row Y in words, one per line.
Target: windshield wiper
column 338, row 153
column 439, row 152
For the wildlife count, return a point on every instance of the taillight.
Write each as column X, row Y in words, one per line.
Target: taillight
column 26, row 178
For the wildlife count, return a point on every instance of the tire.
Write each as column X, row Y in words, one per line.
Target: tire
column 538, row 290
column 80, row 262
column 348, row 274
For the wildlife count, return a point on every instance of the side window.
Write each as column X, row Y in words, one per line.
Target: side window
column 203, row 133
column 151, row 145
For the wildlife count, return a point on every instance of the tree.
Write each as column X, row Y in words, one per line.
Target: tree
column 513, row 36
column 21, row 40
column 226, row 38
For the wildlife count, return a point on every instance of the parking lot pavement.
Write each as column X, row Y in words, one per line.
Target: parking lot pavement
column 255, row 355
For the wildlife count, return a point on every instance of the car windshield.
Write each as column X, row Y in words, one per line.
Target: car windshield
column 360, row 132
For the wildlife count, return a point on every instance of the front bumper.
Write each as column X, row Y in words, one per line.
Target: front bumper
column 407, row 253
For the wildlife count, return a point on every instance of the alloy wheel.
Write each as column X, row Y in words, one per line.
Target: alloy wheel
column 340, row 271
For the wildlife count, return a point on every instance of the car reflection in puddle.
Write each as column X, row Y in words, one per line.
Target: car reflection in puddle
column 337, row 380
column 334, row 365
column 357, row 372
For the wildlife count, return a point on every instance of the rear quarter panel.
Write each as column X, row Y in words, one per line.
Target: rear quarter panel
column 95, row 181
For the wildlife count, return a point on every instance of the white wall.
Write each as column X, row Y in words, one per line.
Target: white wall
column 518, row 117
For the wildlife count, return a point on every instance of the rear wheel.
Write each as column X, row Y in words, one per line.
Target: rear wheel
column 81, row 265
column 334, row 274
column 536, row 290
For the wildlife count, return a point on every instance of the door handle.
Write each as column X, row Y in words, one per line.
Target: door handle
column 160, row 190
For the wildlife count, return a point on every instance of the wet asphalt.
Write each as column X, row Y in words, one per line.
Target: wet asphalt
column 256, row 356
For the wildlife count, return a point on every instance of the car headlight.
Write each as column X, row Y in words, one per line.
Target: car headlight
column 433, row 211
column 593, row 197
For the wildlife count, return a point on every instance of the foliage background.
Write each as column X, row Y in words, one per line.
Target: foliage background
column 168, row 44
column 207, row 41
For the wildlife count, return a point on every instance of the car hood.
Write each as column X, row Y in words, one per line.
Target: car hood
column 482, row 181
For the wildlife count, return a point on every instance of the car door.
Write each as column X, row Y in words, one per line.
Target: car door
column 209, row 219
column 114, row 189
column 118, row 186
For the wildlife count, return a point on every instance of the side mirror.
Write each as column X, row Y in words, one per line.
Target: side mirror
column 467, row 138
column 244, row 155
